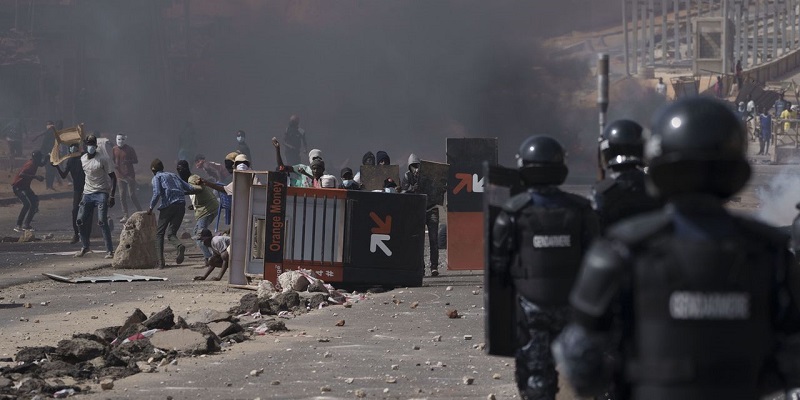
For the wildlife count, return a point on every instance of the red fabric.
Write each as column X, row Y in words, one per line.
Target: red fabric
column 24, row 182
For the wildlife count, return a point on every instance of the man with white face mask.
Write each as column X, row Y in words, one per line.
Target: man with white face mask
column 124, row 159
column 98, row 191
column 242, row 146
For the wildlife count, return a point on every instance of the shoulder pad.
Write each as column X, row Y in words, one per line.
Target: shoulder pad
column 517, row 202
column 639, row 228
column 578, row 200
column 599, row 279
column 604, row 185
column 761, row 230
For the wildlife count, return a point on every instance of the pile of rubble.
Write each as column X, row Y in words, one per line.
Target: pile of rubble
column 151, row 344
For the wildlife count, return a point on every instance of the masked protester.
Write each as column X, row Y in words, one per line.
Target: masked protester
column 171, row 189
column 22, row 189
column 410, row 184
column 204, row 204
column 74, row 168
column 300, row 175
column 692, row 301
column 538, row 241
column 124, row 160
column 347, row 180
column 241, row 145
column 98, row 192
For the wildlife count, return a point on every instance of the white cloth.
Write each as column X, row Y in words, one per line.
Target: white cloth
column 97, row 170
column 220, row 244
column 661, row 89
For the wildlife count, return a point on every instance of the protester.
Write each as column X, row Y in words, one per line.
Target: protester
column 172, row 191
column 220, row 246
column 210, row 169
column 46, row 146
column 347, row 180
column 410, row 184
column 98, row 192
column 382, row 158
column 22, row 189
column 368, row 159
column 242, row 146
column 124, row 160
column 74, row 168
column 765, row 137
column 204, row 204
column 301, row 175
column 295, row 140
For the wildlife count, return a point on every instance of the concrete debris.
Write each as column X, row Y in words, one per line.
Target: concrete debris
column 349, row 380
column 340, row 322
column 448, row 289
column 323, row 340
column 325, row 389
column 415, row 347
column 183, row 341
column 390, row 379
column 286, row 301
column 136, row 249
column 317, row 286
column 491, row 396
column 437, row 338
column 314, row 300
column 248, row 304
column 32, row 354
column 275, row 383
column 256, row 372
column 207, row 316
column 414, row 305
column 21, row 295
column 293, row 280
column 468, row 380
column 347, row 304
column 453, row 314
column 467, row 337
column 266, row 290
column 224, row 328
column 137, row 317
column 78, row 350
column 164, row 319
column 27, row 236
column 107, row 384
column 496, row 376
column 479, row 346
column 395, row 367
column 360, row 393
column 327, row 354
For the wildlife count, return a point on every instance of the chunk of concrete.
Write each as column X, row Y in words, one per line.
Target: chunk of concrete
column 292, row 280
column 286, row 301
column 313, row 299
column 224, row 328
column 129, row 353
column 181, row 340
column 266, row 290
column 164, row 319
column 136, row 247
column 137, row 317
column 206, row 316
column 78, row 350
column 108, row 334
column 31, row 354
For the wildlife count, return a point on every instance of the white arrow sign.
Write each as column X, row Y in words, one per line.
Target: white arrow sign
column 477, row 184
column 376, row 241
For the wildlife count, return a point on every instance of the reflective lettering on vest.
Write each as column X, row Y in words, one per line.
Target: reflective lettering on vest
column 545, row 241
column 698, row 305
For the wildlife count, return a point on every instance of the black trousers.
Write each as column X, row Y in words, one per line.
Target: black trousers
column 77, row 195
column 432, row 223
column 169, row 221
column 537, row 327
column 30, row 205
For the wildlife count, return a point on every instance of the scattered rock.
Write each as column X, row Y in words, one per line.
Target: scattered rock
column 496, row 376
column 180, row 323
column 437, row 338
column 390, row 379
column 293, row 280
column 131, row 330
column 325, row 389
column 314, row 299
column 468, row 380
column 347, row 304
column 78, row 350
column 256, row 372
column 275, row 383
column 135, row 249
column 491, row 396
column 360, row 393
column 479, row 346
column 414, row 304
column 224, row 328
column 21, row 295
column 207, row 316
column 453, row 314
column 286, row 301
column 164, row 319
column 449, row 288
column 467, row 337
column 248, row 304
column 181, row 340
column 136, row 318
column 107, row 384
column 340, row 322
column 415, row 347
column 107, row 334
column 129, row 353
column 31, row 354
column 317, row 286
column 27, row 305
column 27, row 236
column 349, row 380
column 395, row 367
column 266, row 290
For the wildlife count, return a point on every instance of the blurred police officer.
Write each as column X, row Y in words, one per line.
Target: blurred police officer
column 538, row 240
column 706, row 298
column 622, row 194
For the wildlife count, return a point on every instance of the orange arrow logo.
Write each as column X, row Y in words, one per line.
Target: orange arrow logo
column 465, row 182
column 382, row 227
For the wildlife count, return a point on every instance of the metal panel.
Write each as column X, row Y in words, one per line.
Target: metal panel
column 372, row 176
column 465, row 180
column 433, row 181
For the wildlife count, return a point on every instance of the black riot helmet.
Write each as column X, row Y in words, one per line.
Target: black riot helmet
column 697, row 145
column 541, row 161
column 622, row 144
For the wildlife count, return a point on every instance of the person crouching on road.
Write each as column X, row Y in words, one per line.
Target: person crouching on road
column 220, row 246
column 172, row 191
column 22, row 189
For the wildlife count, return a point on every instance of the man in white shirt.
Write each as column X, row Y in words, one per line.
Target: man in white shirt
column 99, row 189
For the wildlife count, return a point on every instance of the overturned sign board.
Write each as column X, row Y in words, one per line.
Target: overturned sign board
column 372, row 176
column 99, row 279
column 433, row 181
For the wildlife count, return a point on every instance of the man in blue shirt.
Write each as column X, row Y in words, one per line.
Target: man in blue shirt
column 172, row 191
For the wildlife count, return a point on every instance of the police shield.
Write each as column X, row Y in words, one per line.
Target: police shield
column 433, row 181
column 499, row 295
column 373, row 176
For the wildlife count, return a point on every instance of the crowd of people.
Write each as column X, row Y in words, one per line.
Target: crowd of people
column 97, row 171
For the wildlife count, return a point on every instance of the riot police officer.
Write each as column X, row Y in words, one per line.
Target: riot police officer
column 538, row 241
column 622, row 194
column 705, row 300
